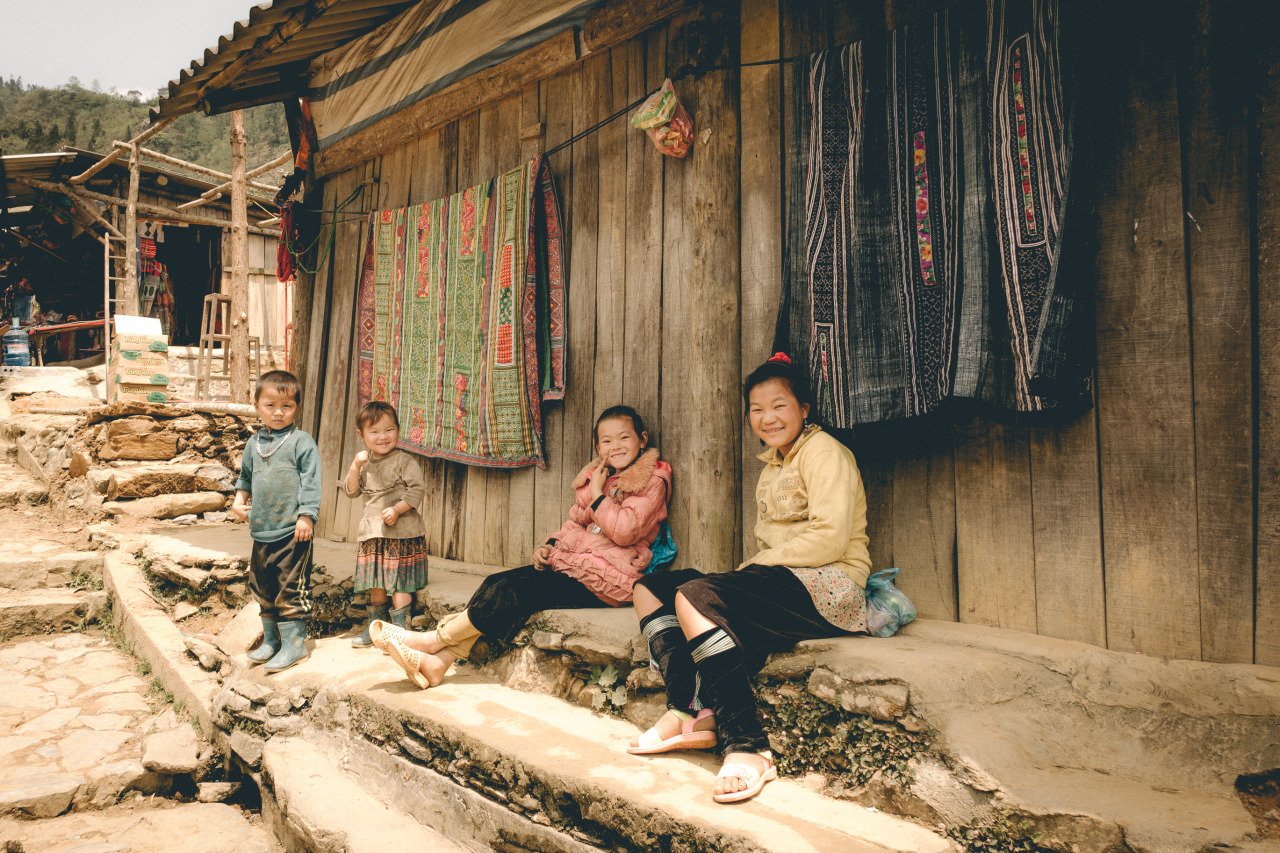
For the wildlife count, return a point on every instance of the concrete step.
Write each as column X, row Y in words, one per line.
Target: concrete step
column 566, row 767
column 42, row 564
column 19, row 487
column 26, row 612
column 313, row 803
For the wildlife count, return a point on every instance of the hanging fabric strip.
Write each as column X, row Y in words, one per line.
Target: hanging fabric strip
column 462, row 318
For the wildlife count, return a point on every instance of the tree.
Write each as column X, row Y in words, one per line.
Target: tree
column 69, row 131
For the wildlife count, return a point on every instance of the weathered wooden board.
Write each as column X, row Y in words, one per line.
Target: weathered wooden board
column 761, row 291
column 611, row 239
column 1069, row 595
column 1267, row 601
column 1146, row 439
column 1217, row 176
column 700, row 421
column 924, row 520
column 994, row 549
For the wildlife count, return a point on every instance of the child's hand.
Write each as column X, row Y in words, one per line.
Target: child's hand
column 390, row 516
column 239, row 511
column 302, row 531
column 362, row 459
column 541, row 556
column 598, row 478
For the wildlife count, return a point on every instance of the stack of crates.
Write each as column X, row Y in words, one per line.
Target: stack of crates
column 139, row 369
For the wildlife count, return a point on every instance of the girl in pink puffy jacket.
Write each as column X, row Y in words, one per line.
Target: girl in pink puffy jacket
column 620, row 501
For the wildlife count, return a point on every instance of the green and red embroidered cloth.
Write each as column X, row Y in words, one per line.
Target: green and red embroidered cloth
column 461, row 318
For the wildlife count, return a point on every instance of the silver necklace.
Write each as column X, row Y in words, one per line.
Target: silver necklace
column 265, row 455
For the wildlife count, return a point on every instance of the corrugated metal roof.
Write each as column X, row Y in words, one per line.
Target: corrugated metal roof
column 277, row 42
column 56, row 166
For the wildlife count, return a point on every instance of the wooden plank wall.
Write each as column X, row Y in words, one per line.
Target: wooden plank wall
column 267, row 314
column 1149, row 524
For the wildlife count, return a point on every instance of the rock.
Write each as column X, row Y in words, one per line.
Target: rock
column 644, row 678
column 105, row 784
column 79, row 465
column 37, row 794
column 167, row 506
column 192, row 578
column 209, row 655
column 226, row 575
column 215, row 477
column 284, row 725
column 175, row 751
column 549, row 640
column 216, row 517
column 155, row 446
column 230, row 700
column 85, row 748
column 252, row 690
column 191, row 423
column 190, row 518
column 639, row 649
column 885, row 700
column 183, row 610
column 137, row 425
column 248, row 747
column 278, row 706
column 598, row 649
column 44, row 611
column 242, row 632
column 215, row 792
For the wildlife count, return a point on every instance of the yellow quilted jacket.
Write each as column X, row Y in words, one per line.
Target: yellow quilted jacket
column 812, row 509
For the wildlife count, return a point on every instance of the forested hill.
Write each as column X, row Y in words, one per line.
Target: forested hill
column 35, row 119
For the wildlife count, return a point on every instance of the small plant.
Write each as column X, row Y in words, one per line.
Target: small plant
column 613, row 695
column 82, row 580
column 157, row 692
column 1003, row 833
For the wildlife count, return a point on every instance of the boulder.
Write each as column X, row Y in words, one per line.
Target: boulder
column 174, row 751
column 38, row 794
column 151, row 446
column 242, row 632
column 183, row 610
column 215, row 792
column 248, row 747
column 167, row 506
column 196, row 579
column 209, row 655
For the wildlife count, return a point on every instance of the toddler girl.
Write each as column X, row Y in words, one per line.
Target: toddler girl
column 391, row 554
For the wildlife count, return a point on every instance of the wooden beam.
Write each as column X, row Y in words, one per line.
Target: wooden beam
column 195, row 167
column 153, row 211
column 212, row 194
column 127, row 292
column 90, row 210
column 238, row 352
column 466, row 96
column 618, row 22
column 116, row 153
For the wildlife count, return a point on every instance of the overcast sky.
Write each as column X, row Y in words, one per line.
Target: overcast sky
column 128, row 44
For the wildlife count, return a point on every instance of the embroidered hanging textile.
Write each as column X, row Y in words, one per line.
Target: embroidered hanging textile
column 914, row 147
column 461, row 318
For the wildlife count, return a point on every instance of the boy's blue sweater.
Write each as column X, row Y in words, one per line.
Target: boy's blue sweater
column 282, row 486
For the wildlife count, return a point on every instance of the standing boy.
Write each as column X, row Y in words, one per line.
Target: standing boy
column 280, row 474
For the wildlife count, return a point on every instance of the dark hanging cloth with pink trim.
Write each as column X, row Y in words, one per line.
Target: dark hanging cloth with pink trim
column 924, row 228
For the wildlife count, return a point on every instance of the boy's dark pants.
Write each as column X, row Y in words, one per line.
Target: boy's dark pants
column 280, row 578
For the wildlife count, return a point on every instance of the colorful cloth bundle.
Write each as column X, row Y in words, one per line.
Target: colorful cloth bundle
column 461, row 318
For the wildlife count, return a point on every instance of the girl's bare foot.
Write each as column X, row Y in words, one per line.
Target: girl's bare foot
column 424, row 641
column 734, row 784
column 434, row 666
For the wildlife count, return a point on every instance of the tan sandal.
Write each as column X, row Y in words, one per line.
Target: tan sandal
column 384, row 633
column 755, row 780
column 650, row 742
column 411, row 661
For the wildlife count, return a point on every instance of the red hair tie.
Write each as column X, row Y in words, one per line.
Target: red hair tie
column 779, row 357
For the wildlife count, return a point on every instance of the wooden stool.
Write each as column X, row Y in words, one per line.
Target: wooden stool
column 217, row 315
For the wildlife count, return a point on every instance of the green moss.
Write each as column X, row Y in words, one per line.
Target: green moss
column 816, row 736
column 86, row 581
column 1003, row 833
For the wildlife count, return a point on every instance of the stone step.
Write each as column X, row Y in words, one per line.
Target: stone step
column 25, row 612
column 566, row 767
column 18, row 487
column 312, row 802
column 43, row 564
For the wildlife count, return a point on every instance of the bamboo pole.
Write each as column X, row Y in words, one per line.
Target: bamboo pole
column 196, row 167
column 210, row 195
column 127, row 292
column 238, row 351
column 117, row 153
column 154, row 211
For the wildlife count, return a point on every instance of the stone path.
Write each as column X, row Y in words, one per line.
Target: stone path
column 146, row 828
column 74, row 722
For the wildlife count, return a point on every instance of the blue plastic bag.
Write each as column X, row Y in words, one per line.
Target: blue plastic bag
column 888, row 608
column 664, row 550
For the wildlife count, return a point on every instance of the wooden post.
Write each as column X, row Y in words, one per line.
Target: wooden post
column 127, row 292
column 238, row 349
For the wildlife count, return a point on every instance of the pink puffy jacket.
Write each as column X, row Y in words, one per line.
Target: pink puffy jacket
column 607, row 549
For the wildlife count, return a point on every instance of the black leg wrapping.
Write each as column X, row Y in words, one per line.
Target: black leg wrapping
column 669, row 654
column 724, row 685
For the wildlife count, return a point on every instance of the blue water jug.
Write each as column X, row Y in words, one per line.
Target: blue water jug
column 17, row 346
